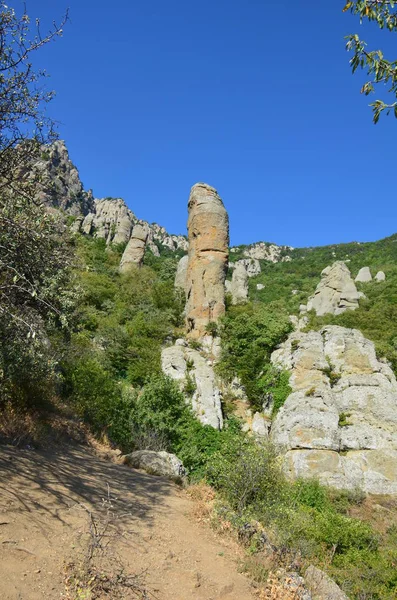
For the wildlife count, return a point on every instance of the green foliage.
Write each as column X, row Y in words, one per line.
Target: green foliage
column 380, row 70
column 249, row 334
column 344, row 419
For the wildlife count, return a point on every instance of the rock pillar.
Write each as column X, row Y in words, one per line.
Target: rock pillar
column 135, row 250
column 208, row 235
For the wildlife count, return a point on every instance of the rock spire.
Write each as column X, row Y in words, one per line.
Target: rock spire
column 208, row 235
column 135, row 250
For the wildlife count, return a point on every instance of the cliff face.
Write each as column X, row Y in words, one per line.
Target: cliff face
column 60, row 187
column 208, row 235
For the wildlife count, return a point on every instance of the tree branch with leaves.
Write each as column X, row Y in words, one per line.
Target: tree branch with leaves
column 379, row 69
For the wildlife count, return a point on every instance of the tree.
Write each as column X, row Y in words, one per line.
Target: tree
column 379, row 69
column 34, row 257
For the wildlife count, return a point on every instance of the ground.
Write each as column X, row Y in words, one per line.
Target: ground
column 59, row 507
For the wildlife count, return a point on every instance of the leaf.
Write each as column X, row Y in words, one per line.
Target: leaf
column 347, row 6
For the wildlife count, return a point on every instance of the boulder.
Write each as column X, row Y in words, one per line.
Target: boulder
column 135, row 250
column 156, row 463
column 181, row 273
column 239, row 285
column 251, row 265
column 364, row 275
column 260, row 286
column 208, row 235
column 380, row 276
column 340, row 421
column 335, row 293
column 321, row 586
column 183, row 364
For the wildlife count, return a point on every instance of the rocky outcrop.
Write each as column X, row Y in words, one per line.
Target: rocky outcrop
column 340, row 422
column 181, row 273
column 322, row 587
column 265, row 251
column 135, row 250
column 380, row 276
column 364, row 275
column 239, row 285
column 112, row 221
column 156, row 463
column 251, row 265
column 190, row 369
column 59, row 183
column 208, row 236
column 335, row 293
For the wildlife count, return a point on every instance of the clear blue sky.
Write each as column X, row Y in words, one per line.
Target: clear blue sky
column 251, row 96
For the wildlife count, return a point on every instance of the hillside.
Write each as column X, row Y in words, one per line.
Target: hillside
column 218, row 383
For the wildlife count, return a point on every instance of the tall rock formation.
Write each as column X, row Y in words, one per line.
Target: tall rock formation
column 181, row 273
column 59, row 181
column 135, row 250
column 340, row 422
column 336, row 291
column 208, row 236
column 239, row 285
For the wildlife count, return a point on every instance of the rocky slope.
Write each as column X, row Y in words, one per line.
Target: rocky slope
column 340, row 422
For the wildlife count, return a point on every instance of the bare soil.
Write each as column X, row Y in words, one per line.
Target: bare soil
column 51, row 501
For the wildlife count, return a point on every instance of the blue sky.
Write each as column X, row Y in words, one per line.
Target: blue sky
column 253, row 97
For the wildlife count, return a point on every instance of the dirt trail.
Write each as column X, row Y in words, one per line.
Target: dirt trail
column 45, row 501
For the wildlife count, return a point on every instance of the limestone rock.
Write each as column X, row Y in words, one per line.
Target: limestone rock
column 239, row 286
column 182, row 363
column 156, row 463
column 336, row 291
column 112, row 221
column 135, row 250
column 265, row 251
column 181, row 273
column 321, row 586
column 60, row 185
column 208, row 234
column 251, row 265
column 380, row 276
column 364, row 275
column 260, row 426
column 340, row 422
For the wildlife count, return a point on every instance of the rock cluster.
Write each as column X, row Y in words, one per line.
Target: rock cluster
column 135, row 249
column 208, row 235
column 340, row 422
column 59, row 181
column 336, row 291
column 186, row 365
column 265, row 251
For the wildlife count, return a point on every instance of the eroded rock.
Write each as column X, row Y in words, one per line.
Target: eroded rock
column 239, row 285
column 380, row 276
column 364, row 275
column 181, row 273
column 340, row 422
column 321, row 586
column 208, row 227
column 135, row 250
column 336, row 291
column 185, row 365
column 156, row 463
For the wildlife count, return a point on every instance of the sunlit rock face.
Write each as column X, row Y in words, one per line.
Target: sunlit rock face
column 135, row 250
column 339, row 424
column 208, row 236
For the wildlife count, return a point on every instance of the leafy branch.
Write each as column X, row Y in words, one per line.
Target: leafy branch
column 379, row 69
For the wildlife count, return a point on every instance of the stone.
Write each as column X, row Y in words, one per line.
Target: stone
column 156, row 463
column 260, row 286
column 335, row 293
column 380, row 276
column 239, row 286
column 265, row 251
column 364, row 275
column 59, row 181
column 321, row 586
column 208, row 236
column 251, row 265
column 339, row 424
column 181, row 364
column 135, row 250
column 181, row 273
column 260, row 426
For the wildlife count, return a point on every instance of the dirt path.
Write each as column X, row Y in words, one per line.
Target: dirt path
column 45, row 505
